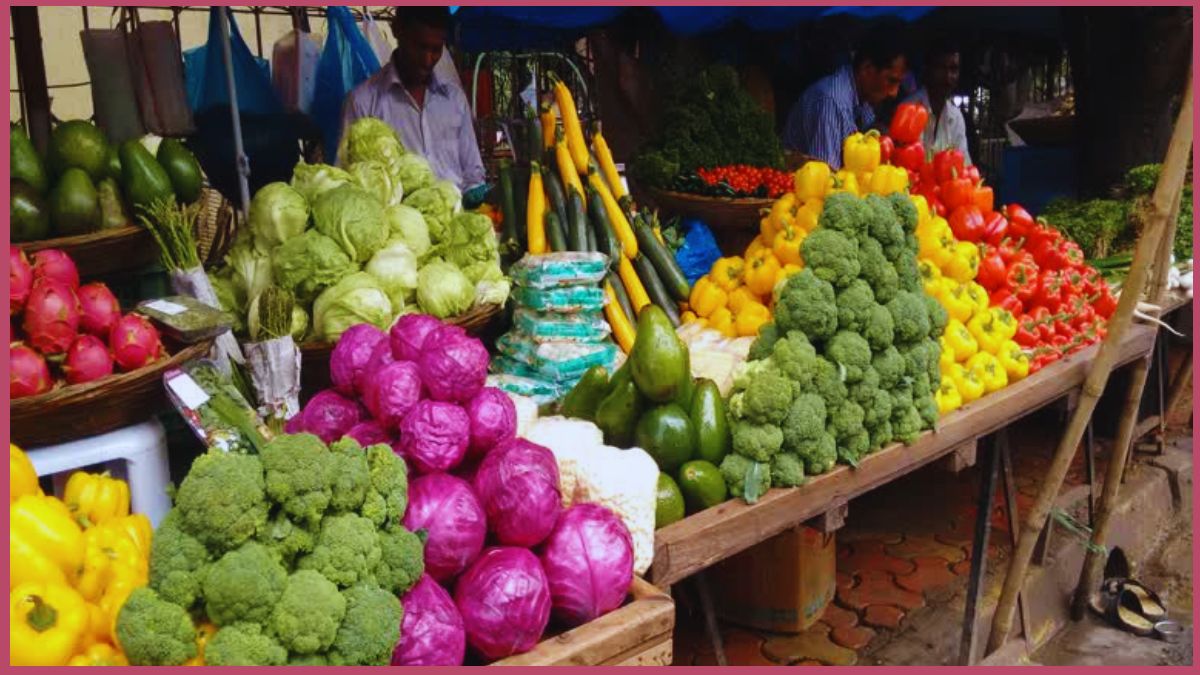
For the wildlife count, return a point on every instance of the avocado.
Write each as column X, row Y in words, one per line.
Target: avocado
column 143, row 179
column 182, row 168
column 24, row 163
column 659, row 359
column 667, row 434
column 113, row 169
column 668, row 502
column 617, row 413
column 27, row 213
column 702, row 485
column 78, row 144
column 711, row 424
column 112, row 209
column 74, row 205
column 581, row 402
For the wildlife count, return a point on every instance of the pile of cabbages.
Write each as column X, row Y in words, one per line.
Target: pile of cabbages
column 502, row 555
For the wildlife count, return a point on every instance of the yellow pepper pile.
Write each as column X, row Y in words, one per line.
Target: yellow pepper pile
column 979, row 355
column 72, row 564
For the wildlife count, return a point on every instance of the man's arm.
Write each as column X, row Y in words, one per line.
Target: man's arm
column 471, row 165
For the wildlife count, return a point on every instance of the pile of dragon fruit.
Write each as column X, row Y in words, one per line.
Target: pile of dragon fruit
column 66, row 332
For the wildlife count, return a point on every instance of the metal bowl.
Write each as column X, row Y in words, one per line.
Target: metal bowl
column 1169, row 631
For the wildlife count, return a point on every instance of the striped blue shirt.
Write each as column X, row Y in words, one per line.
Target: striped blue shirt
column 828, row 111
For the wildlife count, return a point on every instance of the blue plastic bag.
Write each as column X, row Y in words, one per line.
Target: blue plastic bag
column 698, row 252
column 204, row 73
column 346, row 61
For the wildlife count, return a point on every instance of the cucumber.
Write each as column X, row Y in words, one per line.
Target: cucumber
column 655, row 289
column 606, row 240
column 622, row 297
column 535, row 136
column 668, row 269
column 577, row 225
column 554, row 233
column 508, row 202
column 555, row 194
column 591, row 238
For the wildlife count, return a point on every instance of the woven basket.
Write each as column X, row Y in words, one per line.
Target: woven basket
column 102, row 252
column 216, row 228
column 734, row 222
column 81, row 410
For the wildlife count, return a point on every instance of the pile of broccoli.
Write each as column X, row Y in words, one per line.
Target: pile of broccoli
column 296, row 555
column 850, row 362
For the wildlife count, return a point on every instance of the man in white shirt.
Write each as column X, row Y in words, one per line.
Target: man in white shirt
column 946, row 127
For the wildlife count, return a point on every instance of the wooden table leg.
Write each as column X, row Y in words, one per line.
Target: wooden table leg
column 710, row 617
column 979, row 552
column 1014, row 523
column 1089, row 449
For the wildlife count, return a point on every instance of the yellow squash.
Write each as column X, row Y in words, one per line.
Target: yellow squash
column 622, row 329
column 571, row 126
column 616, row 216
column 638, row 297
column 608, row 167
column 535, row 212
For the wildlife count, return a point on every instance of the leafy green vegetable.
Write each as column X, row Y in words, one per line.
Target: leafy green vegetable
column 314, row 180
column 277, row 213
column 443, row 290
column 309, row 264
column 414, row 172
column 407, row 224
column 373, row 176
column 357, row 298
column 395, row 267
column 370, row 139
column 353, row 218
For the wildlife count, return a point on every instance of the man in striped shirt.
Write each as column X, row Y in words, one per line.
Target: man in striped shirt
column 844, row 102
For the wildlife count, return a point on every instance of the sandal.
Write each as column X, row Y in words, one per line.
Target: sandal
column 1148, row 603
column 1124, row 612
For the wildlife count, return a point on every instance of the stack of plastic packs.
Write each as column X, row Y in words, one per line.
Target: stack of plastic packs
column 558, row 330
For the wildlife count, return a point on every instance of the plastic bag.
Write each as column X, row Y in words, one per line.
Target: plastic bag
column 698, row 252
column 376, row 38
column 346, row 61
column 204, row 69
column 559, row 361
column 565, row 299
column 581, row 327
column 294, row 74
column 560, row 269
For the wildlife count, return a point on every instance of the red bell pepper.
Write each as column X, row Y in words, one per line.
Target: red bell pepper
column 1049, row 293
column 957, row 192
column 908, row 123
column 1072, row 253
column 947, row 164
column 1092, row 281
column 1105, row 303
column 1047, row 250
column 992, row 270
column 1022, row 280
column 1060, row 342
column 996, row 228
column 1062, row 326
column 1004, row 299
column 911, row 157
column 1085, row 315
column 1020, row 223
column 984, row 198
column 886, row 147
column 1027, row 332
column 966, row 222
column 1012, row 250
column 972, row 174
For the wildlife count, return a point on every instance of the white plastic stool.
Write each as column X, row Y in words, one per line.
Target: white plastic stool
column 141, row 449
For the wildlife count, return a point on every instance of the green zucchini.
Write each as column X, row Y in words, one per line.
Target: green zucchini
column 554, row 233
column 556, row 196
column 577, row 224
column 622, row 297
column 669, row 273
column 606, row 240
column 508, row 203
column 655, row 289
column 535, row 136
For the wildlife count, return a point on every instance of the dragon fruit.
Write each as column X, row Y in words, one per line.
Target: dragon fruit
column 28, row 374
column 134, row 342
column 52, row 263
column 99, row 309
column 87, row 359
column 20, row 279
column 51, row 316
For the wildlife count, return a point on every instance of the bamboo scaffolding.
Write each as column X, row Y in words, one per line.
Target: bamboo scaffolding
column 1169, row 183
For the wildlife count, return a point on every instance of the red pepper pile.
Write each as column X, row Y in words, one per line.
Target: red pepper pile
column 749, row 180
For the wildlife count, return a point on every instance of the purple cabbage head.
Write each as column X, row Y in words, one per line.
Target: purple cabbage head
column 390, row 392
column 407, row 336
column 330, row 415
column 588, row 560
column 493, row 420
column 517, row 484
column 454, row 522
column 432, row 631
column 504, row 601
column 350, row 355
column 453, row 366
column 434, row 435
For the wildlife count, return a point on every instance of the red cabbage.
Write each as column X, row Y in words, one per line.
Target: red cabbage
column 432, row 632
column 330, row 415
column 380, row 357
column 349, row 359
column 390, row 392
column 517, row 484
column 448, row 511
column 588, row 560
column 453, row 365
column 493, row 420
column 407, row 336
column 368, row 433
column 434, row 435
column 504, row 600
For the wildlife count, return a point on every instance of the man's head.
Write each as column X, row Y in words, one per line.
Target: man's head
column 940, row 74
column 879, row 64
column 420, row 35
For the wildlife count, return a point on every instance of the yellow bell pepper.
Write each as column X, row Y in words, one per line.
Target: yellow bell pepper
column 761, row 269
column 922, row 207
column 964, row 262
column 809, row 215
column 204, row 633
column 750, row 317
column 726, row 273
column 947, row 396
column 47, row 622
column 953, row 297
column 687, row 317
column 786, row 246
column 739, row 297
column 811, row 180
column 785, row 272
column 844, row 181
column 1006, row 323
column 989, row 370
column 860, row 152
column 960, row 340
column 707, row 297
column 968, row 384
column 109, row 553
column 94, row 498
column 22, row 478
column 99, row 626
column 931, row 277
column 45, row 543
column 722, row 321
column 986, row 332
column 1014, row 359
column 781, row 215
column 115, row 596
column 138, row 528
column 757, row 244
column 946, row 359
column 99, row 654
column 936, row 243
column 979, row 296
column 888, row 179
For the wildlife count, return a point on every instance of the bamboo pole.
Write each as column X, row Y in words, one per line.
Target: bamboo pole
column 1089, row 575
column 1169, row 183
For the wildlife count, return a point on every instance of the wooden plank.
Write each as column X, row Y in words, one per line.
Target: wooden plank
column 701, row 540
column 962, row 457
column 832, row 519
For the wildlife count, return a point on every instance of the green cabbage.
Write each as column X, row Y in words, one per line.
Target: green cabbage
column 299, row 323
column 356, row 299
column 395, row 267
column 373, row 177
column 438, row 203
column 369, row 138
column 471, row 239
column 309, row 264
column 277, row 213
column 314, row 180
column 443, row 290
column 251, row 268
column 352, row 218
column 408, row 224
column 414, row 172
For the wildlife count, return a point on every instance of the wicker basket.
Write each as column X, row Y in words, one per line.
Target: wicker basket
column 734, row 222
column 78, row 411
column 216, row 227
column 103, row 252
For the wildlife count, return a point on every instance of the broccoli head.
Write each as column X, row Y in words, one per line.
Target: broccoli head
column 177, row 562
column 880, row 331
column 910, row 317
column 805, row 420
column 787, row 470
column 877, row 408
column 298, row 475
column 244, row 644
column 923, row 359
column 845, row 213
column 832, row 256
column 869, row 382
column 351, row 475
column 928, row 410
column 387, row 498
column 370, row 630
column 902, row 396
column 745, row 476
column 881, row 434
column 854, row 303
column 845, row 419
column 819, row 454
column 347, row 550
column 154, row 632
column 938, row 316
column 850, row 352
column 308, row 614
column 908, row 273
column 807, row 304
column 854, row 447
column 829, row 382
column 905, row 210
column 756, row 441
column 285, row 538
column 761, row 348
column 308, row 660
column 884, row 226
column 796, row 358
column 223, row 500
column 906, row 424
column 878, row 270
column 890, row 365
column 921, row 386
column 402, row 559
column 243, row 585
column 765, row 399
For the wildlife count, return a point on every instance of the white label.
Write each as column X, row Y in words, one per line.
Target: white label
column 192, row 395
column 166, row 307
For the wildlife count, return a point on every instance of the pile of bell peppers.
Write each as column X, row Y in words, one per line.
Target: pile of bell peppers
column 72, row 563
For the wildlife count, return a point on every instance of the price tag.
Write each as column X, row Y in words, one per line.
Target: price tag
column 166, row 307
column 192, row 395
